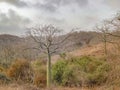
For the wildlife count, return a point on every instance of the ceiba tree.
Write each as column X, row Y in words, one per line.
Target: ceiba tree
column 50, row 40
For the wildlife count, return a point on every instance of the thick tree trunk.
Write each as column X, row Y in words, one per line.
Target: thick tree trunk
column 49, row 70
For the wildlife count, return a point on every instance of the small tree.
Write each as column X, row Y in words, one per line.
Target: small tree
column 109, row 30
column 103, row 29
column 50, row 40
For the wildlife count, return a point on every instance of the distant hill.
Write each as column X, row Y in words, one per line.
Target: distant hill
column 7, row 39
column 22, row 46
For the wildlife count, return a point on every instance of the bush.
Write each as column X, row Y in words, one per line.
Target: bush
column 4, row 79
column 40, row 73
column 70, row 76
column 58, row 70
column 98, row 77
column 63, row 55
column 79, row 71
column 21, row 70
column 2, row 69
column 40, row 80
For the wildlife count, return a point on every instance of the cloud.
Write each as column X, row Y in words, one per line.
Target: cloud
column 53, row 5
column 113, row 3
column 79, row 2
column 55, row 20
column 12, row 23
column 17, row 3
column 73, row 13
column 66, row 14
column 46, row 7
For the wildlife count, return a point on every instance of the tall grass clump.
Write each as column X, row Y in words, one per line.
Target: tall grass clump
column 4, row 79
column 21, row 70
column 39, row 67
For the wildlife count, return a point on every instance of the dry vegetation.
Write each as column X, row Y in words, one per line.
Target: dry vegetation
column 26, row 87
column 86, row 61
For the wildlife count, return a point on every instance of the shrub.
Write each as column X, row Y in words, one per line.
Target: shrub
column 93, row 70
column 58, row 70
column 2, row 69
column 79, row 71
column 70, row 76
column 40, row 80
column 21, row 70
column 38, row 65
column 4, row 79
column 40, row 73
column 63, row 55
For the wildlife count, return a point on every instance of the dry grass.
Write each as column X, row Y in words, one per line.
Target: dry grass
column 93, row 50
column 28, row 87
column 18, row 87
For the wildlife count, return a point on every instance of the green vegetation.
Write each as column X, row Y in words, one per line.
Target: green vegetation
column 79, row 71
column 96, row 63
column 4, row 79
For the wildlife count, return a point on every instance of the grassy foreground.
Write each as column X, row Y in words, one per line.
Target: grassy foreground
column 28, row 87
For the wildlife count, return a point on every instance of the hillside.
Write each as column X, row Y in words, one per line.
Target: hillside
column 92, row 50
column 96, row 50
column 7, row 39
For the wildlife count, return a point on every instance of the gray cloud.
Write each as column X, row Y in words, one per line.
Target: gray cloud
column 79, row 2
column 113, row 3
column 66, row 14
column 17, row 3
column 46, row 7
column 74, row 13
column 56, row 20
column 12, row 23
column 53, row 5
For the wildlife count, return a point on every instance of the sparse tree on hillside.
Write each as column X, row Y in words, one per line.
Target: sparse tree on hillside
column 108, row 30
column 115, row 26
column 104, row 30
column 50, row 40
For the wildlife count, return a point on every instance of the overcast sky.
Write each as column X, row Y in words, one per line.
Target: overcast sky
column 15, row 15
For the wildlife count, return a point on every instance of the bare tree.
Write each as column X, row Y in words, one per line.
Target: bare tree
column 50, row 40
column 104, row 30
column 108, row 30
column 115, row 25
